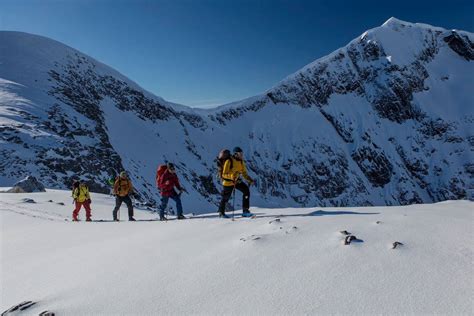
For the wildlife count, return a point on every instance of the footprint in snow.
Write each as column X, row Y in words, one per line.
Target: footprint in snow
column 292, row 230
column 251, row 237
column 19, row 307
column 275, row 221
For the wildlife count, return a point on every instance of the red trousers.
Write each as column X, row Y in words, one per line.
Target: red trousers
column 78, row 207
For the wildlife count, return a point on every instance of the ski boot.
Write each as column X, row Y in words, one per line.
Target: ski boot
column 247, row 214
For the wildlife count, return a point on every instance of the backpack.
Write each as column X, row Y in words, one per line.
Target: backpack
column 223, row 156
column 76, row 191
column 159, row 173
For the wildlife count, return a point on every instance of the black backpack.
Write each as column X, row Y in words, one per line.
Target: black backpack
column 223, row 156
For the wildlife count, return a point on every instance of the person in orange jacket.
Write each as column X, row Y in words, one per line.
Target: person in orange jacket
column 122, row 190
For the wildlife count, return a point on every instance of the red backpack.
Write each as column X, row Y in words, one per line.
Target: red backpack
column 159, row 173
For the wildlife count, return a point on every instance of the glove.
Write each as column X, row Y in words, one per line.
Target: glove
column 251, row 182
column 89, row 201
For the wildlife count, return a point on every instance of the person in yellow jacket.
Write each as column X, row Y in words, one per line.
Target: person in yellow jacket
column 81, row 196
column 123, row 189
column 232, row 172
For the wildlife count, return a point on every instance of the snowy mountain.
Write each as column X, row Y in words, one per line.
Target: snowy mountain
column 385, row 120
column 285, row 262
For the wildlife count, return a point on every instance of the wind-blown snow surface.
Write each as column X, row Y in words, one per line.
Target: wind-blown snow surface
column 201, row 265
column 384, row 120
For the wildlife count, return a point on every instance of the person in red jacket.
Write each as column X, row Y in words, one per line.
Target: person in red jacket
column 169, row 187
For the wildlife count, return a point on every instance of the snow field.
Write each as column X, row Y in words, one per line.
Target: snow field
column 286, row 261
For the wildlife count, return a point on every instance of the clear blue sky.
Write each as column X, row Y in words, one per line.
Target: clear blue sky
column 209, row 52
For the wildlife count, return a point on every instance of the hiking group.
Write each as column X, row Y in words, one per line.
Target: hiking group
column 231, row 170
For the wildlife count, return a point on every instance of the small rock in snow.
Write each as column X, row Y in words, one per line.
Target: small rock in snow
column 396, row 244
column 27, row 200
column 28, row 185
column 351, row 238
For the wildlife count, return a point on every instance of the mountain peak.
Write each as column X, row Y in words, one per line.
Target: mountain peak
column 394, row 22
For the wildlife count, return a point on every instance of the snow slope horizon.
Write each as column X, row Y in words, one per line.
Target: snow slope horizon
column 286, row 261
column 374, row 123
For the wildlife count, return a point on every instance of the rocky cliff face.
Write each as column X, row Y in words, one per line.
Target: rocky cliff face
column 386, row 119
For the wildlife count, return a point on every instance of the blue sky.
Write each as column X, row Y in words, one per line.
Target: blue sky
column 209, row 52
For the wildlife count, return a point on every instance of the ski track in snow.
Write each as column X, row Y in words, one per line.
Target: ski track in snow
column 32, row 212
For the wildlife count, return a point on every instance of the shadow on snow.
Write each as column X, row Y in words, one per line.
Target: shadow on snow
column 314, row 213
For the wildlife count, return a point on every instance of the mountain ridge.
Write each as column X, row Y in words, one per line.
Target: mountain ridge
column 364, row 125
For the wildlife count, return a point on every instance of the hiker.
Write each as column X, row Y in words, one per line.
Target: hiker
column 230, row 172
column 123, row 189
column 167, row 182
column 81, row 196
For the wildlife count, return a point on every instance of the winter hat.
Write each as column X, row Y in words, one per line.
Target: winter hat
column 237, row 150
column 170, row 165
column 123, row 174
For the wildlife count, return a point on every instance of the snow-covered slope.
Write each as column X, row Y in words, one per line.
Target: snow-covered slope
column 206, row 265
column 385, row 120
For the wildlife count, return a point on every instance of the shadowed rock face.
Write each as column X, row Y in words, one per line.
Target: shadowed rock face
column 461, row 45
column 383, row 147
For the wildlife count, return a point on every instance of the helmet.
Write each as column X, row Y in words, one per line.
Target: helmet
column 237, row 150
column 123, row 174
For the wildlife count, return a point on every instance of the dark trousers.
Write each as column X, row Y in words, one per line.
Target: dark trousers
column 118, row 203
column 164, row 203
column 227, row 193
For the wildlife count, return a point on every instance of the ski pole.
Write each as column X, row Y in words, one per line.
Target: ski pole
column 118, row 213
column 233, row 204
column 233, row 201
